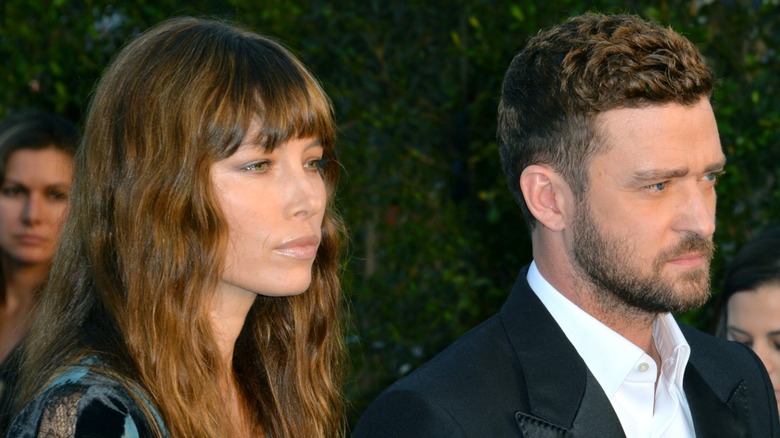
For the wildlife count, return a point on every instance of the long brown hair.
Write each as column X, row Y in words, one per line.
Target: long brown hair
column 142, row 250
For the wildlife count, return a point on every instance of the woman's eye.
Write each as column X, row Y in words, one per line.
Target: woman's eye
column 746, row 342
column 259, row 167
column 11, row 191
column 742, row 339
column 317, row 165
column 57, row 195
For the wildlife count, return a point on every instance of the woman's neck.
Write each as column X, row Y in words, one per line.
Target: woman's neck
column 228, row 314
column 239, row 410
column 20, row 284
column 23, row 279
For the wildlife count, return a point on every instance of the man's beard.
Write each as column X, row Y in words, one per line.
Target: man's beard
column 611, row 265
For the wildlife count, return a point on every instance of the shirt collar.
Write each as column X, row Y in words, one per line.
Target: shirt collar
column 608, row 355
column 673, row 348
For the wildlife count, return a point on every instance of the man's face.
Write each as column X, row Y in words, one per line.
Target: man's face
column 643, row 232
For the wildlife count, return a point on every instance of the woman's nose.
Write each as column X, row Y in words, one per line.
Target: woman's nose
column 33, row 209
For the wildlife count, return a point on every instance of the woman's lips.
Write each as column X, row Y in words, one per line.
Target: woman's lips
column 301, row 248
column 30, row 239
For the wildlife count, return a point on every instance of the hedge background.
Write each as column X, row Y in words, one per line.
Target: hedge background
column 436, row 238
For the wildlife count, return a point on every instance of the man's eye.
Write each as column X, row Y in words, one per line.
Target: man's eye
column 657, row 186
column 714, row 176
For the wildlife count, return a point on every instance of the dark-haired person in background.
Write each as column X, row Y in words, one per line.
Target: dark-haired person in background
column 610, row 146
column 751, row 293
column 36, row 169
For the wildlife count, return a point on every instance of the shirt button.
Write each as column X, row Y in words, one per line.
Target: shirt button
column 643, row 367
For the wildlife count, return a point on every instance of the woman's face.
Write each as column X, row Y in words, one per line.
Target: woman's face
column 33, row 203
column 274, row 204
column 754, row 320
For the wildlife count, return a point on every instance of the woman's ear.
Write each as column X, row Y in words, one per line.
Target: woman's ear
column 545, row 195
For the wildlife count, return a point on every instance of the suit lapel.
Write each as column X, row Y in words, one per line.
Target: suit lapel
column 594, row 418
column 564, row 399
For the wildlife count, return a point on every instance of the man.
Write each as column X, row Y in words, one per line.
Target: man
column 610, row 146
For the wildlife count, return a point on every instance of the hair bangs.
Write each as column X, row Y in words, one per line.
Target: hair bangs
column 267, row 85
column 288, row 101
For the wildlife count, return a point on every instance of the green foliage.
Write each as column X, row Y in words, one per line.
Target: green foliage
column 436, row 238
column 739, row 39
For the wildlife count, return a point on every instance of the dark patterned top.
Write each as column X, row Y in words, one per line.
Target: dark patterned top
column 82, row 403
column 7, row 386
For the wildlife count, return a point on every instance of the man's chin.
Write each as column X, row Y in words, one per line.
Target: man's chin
column 690, row 298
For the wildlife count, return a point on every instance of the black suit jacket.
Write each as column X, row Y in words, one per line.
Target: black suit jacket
column 517, row 375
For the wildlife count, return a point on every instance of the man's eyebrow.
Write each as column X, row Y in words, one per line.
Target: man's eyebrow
column 659, row 174
column 716, row 167
column 664, row 174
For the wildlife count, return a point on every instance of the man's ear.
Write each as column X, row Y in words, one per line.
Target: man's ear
column 545, row 194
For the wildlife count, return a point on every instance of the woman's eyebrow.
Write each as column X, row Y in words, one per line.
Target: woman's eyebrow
column 731, row 328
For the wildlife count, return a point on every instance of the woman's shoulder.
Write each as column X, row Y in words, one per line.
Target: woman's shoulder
column 82, row 402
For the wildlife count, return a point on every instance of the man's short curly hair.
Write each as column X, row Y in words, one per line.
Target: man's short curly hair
column 567, row 75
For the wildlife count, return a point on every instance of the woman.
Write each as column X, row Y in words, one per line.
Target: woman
column 751, row 291
column 195, row 292
column 36, row 169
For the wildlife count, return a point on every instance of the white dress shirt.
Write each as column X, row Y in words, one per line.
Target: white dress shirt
column 625, row 372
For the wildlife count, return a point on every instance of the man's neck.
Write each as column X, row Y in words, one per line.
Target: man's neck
column 633, row 324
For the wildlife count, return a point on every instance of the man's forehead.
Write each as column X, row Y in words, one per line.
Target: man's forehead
column 657, row 126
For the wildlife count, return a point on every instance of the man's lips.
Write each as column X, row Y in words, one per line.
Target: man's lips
column 689, row 259
column 301, row 248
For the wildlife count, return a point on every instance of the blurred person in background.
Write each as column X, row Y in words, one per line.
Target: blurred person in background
column 36, row 167
column 751, row 293
column 195, row 292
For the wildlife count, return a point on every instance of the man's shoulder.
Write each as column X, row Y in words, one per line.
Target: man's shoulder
column 477, row 376
column 464, row 362
column 717, row 352
column 700, row 339
column 720, row 360
column 735, row 375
